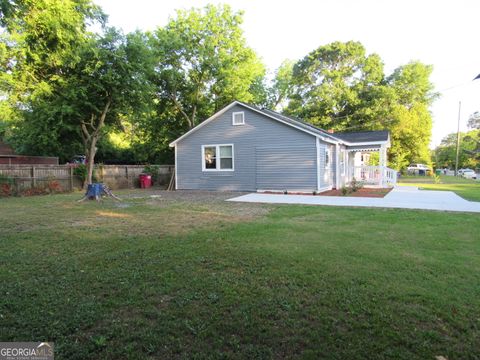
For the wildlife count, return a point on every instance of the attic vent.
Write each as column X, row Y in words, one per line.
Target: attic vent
column 238, row 118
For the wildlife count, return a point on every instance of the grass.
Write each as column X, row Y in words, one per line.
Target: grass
column 154, row 279
column 466, row 188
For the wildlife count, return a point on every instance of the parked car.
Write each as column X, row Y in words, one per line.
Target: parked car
column 79, row 159
column 467, row 174
column 420, row 169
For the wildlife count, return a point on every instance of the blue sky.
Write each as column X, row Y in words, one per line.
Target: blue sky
column 442, row 33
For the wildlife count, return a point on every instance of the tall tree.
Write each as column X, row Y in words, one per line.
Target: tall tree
column 340, row 86
column 38, row 43
column 333, row 86
column 203, row 63
column 281, row 88
column 410, row 119
column 107, row 82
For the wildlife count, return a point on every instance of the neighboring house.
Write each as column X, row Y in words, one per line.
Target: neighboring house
column 242, row 147
column 8, row 157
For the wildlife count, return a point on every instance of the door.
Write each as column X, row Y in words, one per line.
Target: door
column 327, row 166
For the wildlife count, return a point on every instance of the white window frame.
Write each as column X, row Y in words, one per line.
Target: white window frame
column 217, row 158
column 243, row 118
column 343, row 162
column 327, row 156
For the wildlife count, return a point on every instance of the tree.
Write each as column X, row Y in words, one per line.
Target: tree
column 38, row 40
column 410, row 120
column 339, row 86
column 445, row 153
column 281, row 88
column 38, row 43
column 109, row 80
column 203, row 64
column 333, row 86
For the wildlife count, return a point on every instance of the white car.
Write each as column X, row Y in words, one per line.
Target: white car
column 418, row 169
column 467, row 174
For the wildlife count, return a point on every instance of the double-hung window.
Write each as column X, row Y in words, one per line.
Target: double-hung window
column 217, row 157
column 327, row 158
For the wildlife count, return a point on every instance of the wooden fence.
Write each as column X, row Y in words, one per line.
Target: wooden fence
column 115, row 176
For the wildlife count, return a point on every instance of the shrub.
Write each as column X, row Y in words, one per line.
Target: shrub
column 355, row 185
column 153, row 171
column 345, row 190
column 54, row 187
column 6, row 185
column 81, row 171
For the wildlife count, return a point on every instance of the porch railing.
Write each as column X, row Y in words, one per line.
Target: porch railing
column 374, row 175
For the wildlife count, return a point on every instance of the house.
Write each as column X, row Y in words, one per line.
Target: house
column 8, row 157
column 245, row 148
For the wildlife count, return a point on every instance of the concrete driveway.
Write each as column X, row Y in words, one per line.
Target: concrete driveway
column 403, row 197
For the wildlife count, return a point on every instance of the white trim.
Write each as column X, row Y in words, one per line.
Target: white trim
column 176, row 167
column 367, row 143
column 317, row 144
column 325, row 188
column 243, row 118
column 322, row 137
column 253, row 109
column 327, row 155
column 220, row 112
column 337, row 166
column 217, row 158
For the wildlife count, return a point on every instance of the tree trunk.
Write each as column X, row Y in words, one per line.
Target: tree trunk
column 90, row 138
column 91, row 159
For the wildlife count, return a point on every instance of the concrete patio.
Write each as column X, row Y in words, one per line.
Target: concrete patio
column 402, row 197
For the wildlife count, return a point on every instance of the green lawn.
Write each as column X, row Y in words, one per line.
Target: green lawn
column 164, row 278
column 466, row 188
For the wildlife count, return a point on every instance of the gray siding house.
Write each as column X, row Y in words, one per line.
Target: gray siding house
column 245, row 148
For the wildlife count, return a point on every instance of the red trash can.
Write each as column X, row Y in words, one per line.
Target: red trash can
column 145, row 181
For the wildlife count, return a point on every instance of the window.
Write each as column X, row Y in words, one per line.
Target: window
column 238, row 118
column 217, row 157
column 210, row 156
column 327, row 158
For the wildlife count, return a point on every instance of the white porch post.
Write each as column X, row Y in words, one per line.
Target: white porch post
column 383, row 163
column 317, row 143
column 337, row 166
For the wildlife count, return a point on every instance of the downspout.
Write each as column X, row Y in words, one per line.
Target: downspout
column 175, row 169
column 318, row 163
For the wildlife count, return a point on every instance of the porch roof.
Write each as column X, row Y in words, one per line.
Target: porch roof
column 364, row 136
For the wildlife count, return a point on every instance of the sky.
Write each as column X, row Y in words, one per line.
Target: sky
column 442, row 33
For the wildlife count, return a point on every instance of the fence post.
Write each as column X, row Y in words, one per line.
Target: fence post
column 71, row 178
column 34, row 180
column 15, row 185
column 126, row 175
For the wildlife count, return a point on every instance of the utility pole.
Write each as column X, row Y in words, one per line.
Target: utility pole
column 458, row 138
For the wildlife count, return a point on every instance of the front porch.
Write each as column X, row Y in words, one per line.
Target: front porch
column 361, row 166
column 380, row 176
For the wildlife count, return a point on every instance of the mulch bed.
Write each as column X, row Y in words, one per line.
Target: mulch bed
column 363, row 192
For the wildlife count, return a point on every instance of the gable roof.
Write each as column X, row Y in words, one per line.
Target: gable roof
column 300, row 125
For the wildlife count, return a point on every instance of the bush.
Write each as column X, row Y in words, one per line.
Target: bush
column 153, row 171
column 345, row 190
column 81, row 171
column 6, row 185
column 355, row 185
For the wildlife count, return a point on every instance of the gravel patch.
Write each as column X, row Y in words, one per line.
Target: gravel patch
column 199, row 200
